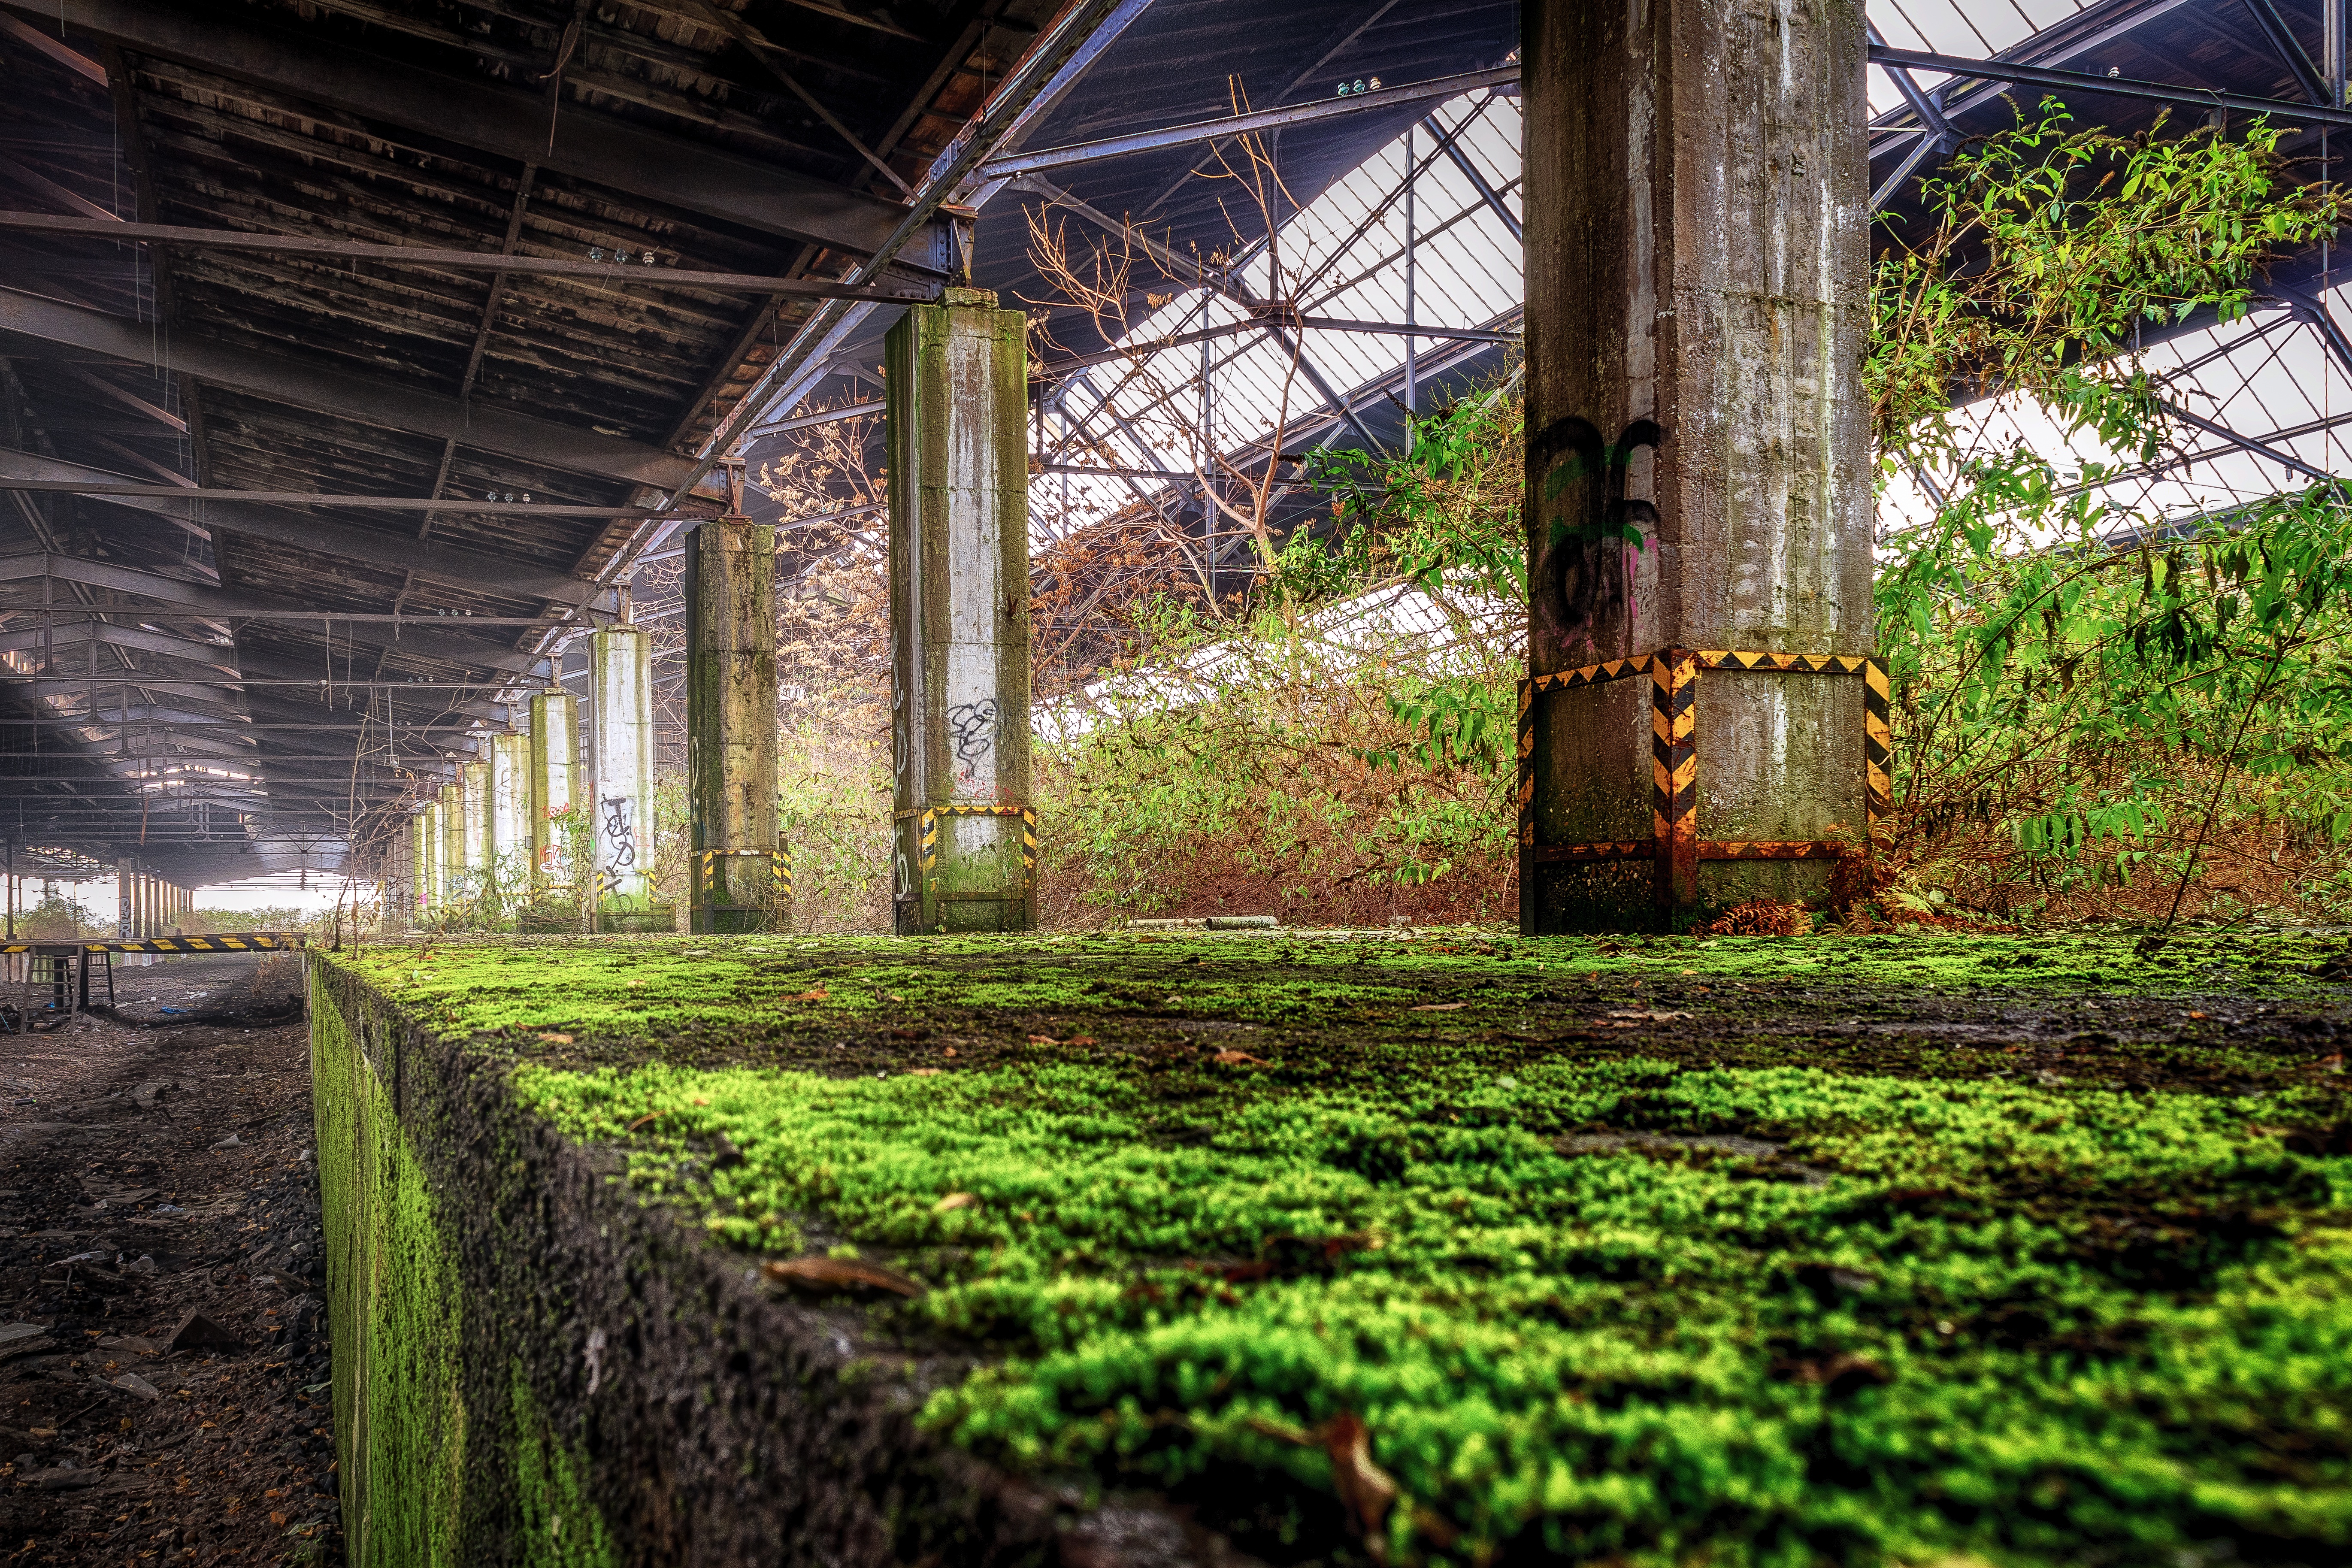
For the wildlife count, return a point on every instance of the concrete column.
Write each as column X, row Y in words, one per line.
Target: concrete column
column 126, row 881
column 1698, row 457
column 963, row 845
column 510, row 813
column 397, row 902
column 453, row 844
column 426, row 835
column 620, row 678
column 730, row 726
column 473, row 797
column 555, row 758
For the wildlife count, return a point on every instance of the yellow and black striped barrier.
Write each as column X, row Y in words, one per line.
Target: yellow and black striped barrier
column 240, row 942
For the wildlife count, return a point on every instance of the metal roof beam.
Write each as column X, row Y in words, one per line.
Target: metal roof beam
column 1450, row 142
column 107, row 486
column 2112, row 87
column 476, row 112
column 1436, row 88
column 2289, row 49
column 341, row 392
column 67, row 633
column 351, row 250
column 215, row 604
column 445, row 562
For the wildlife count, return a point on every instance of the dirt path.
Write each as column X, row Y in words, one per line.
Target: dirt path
column 151, row 1169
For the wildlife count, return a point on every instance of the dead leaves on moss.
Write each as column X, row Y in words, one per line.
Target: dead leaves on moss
column 822, row 1276
column 1367, row 1492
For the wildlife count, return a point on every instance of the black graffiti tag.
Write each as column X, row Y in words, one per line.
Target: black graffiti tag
column 972, row 728
column 621, row 844
column 1585, row 530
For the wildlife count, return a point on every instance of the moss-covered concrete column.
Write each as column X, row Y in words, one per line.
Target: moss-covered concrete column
column 474, row 825
column 620, row 680
column 424, row 846
column 1698, row 462
column 452, row 846
column 510, row 811
column 964, row 842
column 554, row 757
column 730, row 726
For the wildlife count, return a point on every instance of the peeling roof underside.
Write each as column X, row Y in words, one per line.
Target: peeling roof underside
column 674, row 127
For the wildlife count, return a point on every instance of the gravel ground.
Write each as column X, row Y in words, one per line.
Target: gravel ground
column 163, row 1380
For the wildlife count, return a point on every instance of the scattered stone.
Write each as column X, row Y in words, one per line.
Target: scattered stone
column 11, row 1333
column 63, row 1479
column 231, row 1141
column 196, row 1332
column 131, row 1382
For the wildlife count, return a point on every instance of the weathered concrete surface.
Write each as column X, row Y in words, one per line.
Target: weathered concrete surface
column 620, row 680
column 963, row 845
column 554, row 759
column 1699, row 459
column 426, row 827
column 474, row 829
column 509, row 804
column 730, row 726
column 453, row 844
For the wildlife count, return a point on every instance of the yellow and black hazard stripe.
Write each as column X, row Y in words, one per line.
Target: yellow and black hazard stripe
column 1877, row 747
column 1785, row 663
column 1673, row 773
column 927, row 834
column 243, row 941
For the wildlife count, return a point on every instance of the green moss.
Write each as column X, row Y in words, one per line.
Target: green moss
column 400, row 1418
column 1749, row 1286
column 560, row 1525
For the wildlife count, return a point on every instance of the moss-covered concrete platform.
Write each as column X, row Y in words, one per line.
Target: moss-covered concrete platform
column 1455, row 1247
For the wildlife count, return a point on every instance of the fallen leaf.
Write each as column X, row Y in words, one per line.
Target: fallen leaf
column 648, row 1116
column 922, row 1072
column 819, row 994
column 1659, row 1018
column 276, row 1518
column 1079, row 1040
column 1231, row 1057
column 1364, row 1488
column 1438, row 1008
column 555, row 1039
column 2197, row 1015
column 1044, row 1040
column 825, row 1276
column 949, row 1052
column 952, row 1202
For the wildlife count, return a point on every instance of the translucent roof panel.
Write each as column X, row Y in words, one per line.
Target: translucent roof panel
column 1342, row 259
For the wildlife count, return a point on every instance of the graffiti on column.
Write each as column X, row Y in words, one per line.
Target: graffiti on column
column 1593, row 534
column 897, row 728
column 972, row 726
column 620, row 842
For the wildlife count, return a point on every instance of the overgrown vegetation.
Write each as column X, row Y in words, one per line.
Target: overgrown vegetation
column 2102, row 710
